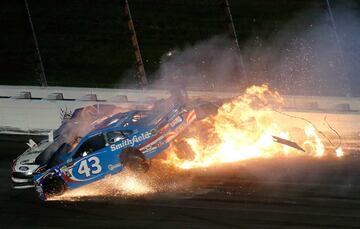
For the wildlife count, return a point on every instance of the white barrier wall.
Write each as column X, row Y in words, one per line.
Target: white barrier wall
column 32, row 115
column 40, row 114
column 295, row 102
column 77, row 93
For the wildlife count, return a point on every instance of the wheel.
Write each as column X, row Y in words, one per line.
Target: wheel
column 53, row 186
column 134, row 160
column 183, row 150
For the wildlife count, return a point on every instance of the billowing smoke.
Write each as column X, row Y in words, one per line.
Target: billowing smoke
column 320, row 59
column 304, row 57
column 206, row 65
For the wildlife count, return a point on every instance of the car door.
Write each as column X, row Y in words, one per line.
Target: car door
column 90, row 162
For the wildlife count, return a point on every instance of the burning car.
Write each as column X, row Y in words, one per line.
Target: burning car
column 122, row 140
column 37, row 155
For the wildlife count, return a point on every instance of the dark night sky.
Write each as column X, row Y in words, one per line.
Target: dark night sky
column 86, row 43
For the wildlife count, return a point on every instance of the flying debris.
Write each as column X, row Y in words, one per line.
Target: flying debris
column 287, row 142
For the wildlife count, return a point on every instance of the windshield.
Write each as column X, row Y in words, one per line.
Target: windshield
column 45, row 156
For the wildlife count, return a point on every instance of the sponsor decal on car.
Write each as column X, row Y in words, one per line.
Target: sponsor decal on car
column 176, row 121
column 131, row 142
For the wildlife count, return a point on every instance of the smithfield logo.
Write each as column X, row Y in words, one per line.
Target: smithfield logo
column 131, row 142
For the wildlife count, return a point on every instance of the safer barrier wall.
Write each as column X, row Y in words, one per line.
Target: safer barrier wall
column 31, row 109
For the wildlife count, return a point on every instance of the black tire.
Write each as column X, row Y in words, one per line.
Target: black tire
column 53, row 186
column 134, row 160
column 183, row 150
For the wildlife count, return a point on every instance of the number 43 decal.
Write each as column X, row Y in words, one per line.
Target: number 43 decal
column 95, row 166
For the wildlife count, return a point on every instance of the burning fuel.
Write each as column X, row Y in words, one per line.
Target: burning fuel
column 245, row 128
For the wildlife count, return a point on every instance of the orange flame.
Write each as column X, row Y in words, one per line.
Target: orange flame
column 243, row 129
column 339, row 152
column 315, row 142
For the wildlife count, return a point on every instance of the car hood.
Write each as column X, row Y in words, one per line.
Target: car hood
column 25, row 162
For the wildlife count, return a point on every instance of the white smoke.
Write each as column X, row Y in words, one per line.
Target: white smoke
column 310, row 60
column 303, row 57
column 206, row 65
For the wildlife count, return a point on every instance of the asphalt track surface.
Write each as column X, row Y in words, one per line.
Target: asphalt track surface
column 281, row 193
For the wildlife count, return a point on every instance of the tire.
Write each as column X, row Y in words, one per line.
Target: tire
column 53, row 186
column 134, row 160
column 183, row 150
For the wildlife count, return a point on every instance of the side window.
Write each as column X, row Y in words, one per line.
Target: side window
column 91, row 145
column 117, row 135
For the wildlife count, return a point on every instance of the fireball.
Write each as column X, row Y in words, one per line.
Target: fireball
column 244, row 129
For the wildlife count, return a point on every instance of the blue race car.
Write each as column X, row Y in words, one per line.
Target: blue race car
column 123, row 140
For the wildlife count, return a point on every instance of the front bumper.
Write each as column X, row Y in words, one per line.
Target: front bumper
column 21, row 180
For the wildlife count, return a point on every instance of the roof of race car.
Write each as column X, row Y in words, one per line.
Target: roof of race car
column 126, row 119
column 136, row 119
